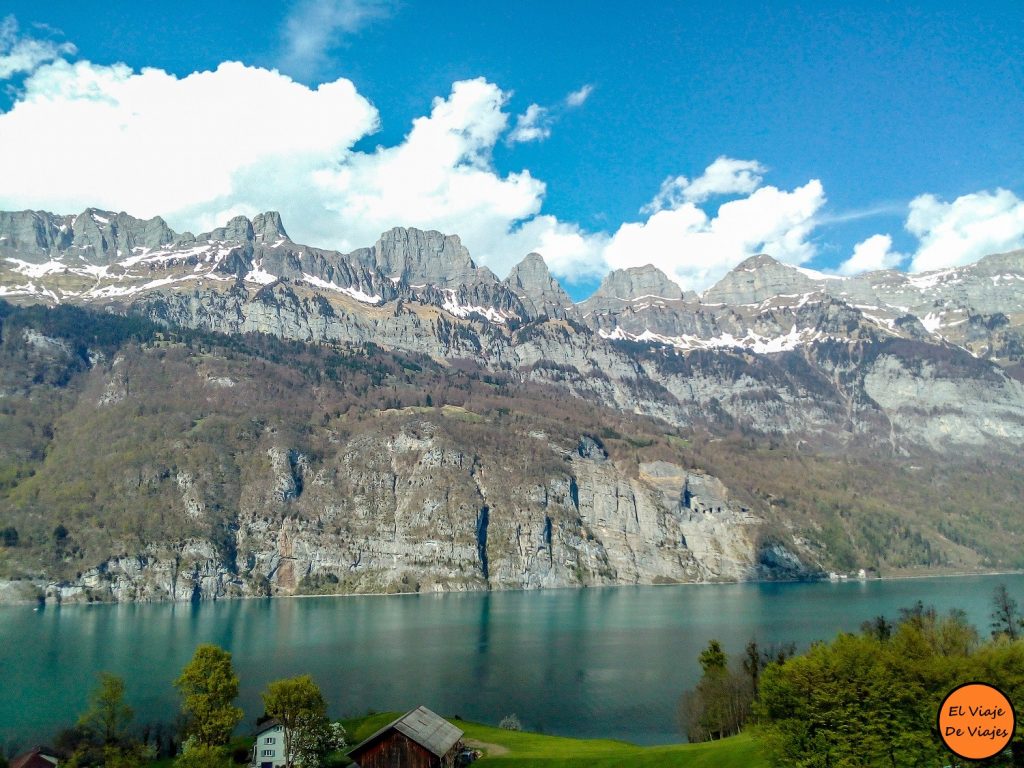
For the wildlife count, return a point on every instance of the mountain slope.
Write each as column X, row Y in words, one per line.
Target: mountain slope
column 839, row 362
column 275, row 418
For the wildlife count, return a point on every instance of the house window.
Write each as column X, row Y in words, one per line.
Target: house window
column 268, row 753
column 270, row 740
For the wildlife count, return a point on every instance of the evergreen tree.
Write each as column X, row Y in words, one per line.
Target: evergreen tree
column 1006, row 619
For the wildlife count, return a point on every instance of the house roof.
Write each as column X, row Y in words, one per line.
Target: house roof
column 35, row 758
column 426, row 728
column 266, row 726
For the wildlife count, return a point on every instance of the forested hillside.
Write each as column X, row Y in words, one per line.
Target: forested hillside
column 139, row 461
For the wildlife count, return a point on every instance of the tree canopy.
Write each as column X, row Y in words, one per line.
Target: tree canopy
column 209, row 687
column 298, row 705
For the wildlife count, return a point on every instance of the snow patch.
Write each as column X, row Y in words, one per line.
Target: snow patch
column 36, row 270
column 259, row 275
column 931, row 322
column 451, row 304
column 355, row 292
column 752, row 341
column 930, row 279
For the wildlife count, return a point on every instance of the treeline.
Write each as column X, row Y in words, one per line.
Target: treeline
column 864, row 699
column 201, row 737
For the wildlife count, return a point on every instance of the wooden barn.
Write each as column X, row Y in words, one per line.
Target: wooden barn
column 418, row 739
column 40, row 757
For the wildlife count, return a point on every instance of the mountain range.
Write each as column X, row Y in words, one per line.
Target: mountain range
column 891, row 370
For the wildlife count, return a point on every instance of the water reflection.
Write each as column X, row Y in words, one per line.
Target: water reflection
column 608, row 662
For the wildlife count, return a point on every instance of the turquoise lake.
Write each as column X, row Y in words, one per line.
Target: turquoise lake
column 594, row 662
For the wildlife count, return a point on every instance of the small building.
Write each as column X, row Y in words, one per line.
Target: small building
column 39, row 757
column 268, row 751
column 418, row 739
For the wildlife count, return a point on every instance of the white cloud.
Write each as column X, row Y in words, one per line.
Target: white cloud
column 241, row 139
column 871, row 254
column 19, row 53
column 948, row 234
column 315, row 27
column 153, row 143
column 725, row 176
column 578, row 97
column 972, row 226
column 439, row 177
column 533, row 125
column 567, row 249
column 696, row 249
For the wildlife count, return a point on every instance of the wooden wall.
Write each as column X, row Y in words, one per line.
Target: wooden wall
column 395, row 750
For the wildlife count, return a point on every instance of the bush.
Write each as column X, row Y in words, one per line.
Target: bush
column 197, row 755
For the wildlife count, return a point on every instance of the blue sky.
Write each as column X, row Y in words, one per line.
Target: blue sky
column 909, row 118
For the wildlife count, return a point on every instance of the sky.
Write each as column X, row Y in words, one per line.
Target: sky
column 601, row 135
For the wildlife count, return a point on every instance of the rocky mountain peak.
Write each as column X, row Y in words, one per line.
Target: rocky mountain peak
column 1010, row 261
column 267, row 227
column 758, row 261
column 758, row 278
column 637, row 282
column 33, row 234
column 423, row 258
column 238, row 229
column 540, row 292
column 104, row 236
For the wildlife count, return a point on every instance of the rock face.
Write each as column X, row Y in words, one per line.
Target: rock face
column 268, row 228
column 34, row 233
column 409, row 505
column 423, row 258
column 757, row 279
column 538, row 290
column 639, row 283
column 639, row 343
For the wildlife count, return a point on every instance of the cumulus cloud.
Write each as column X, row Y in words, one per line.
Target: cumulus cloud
column 21, row 53
column 314, row 27
column 239, row 140
column 153, row 143
column 533, row 125
column 871, row 254
column 725, row 176
column 972, row 226
column 947, row 234
column 578, row 97
column 696, row 249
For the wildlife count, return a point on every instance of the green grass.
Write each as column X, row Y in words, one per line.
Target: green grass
column 534, row 749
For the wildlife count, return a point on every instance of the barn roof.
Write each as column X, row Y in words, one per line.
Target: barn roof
column 426, row 728
column 40, row 757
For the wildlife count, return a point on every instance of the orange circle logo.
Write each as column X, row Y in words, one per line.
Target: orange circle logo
column 976, row 721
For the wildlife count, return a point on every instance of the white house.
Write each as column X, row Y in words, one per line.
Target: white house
column 268, row 751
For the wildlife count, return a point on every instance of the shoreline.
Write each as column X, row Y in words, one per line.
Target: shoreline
column 824, row 580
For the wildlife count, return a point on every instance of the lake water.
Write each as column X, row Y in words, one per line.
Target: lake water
column 594, row 662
